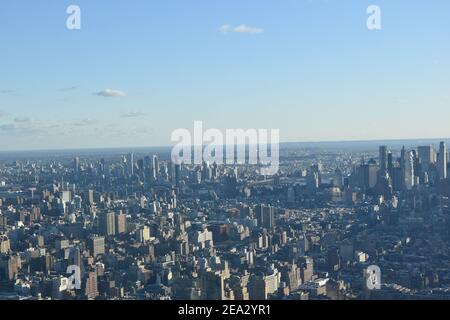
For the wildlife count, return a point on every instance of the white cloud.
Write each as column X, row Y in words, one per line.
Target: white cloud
column 225, row 28
column 21, row 119
column 133, row 115
column 84, row 122
column 27, row 128
column 246, row 29
column 108, row 93
column 69, row 88
column 9, row 92
column 243, row 29
column 7, row 127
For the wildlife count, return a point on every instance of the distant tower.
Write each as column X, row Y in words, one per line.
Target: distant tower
column 425, row 157
column 383, row 159
column 130, row 164
column 76, row 164
column 402, row 157
column 408, row 170
column 312, row 180
column 206, row 171
column 442, row 161
column 214, row 172
column 338, row 181
column 390, row 163
column 155, row 167
column 177, row 174
column 367, row 174
column 147, row 162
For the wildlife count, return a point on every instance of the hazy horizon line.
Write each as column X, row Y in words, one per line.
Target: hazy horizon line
column 281, row 143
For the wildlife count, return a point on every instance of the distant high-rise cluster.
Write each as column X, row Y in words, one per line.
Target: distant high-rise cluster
column 411, row 169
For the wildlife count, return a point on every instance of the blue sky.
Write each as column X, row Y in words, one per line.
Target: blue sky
column 310, row 68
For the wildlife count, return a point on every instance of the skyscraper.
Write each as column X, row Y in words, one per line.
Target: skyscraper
column 147, row 162
column 206, row 171
column 265, row 216
column 367, row 175
column 107, row 223
column 213, row 287
column 155, row 167
column 76, row 164
column 338, row 178
column 408, row 170
column 425, row 157
column 130, row 164
column 390, row 164
column 177, row 170
column 313, row 180
column 91, row 286
column 96, row 246
column 383, row 154
column 402, row 158
column 442, row 161
column 91, row 197
column 121, row 223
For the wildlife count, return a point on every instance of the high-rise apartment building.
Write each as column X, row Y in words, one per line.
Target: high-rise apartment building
column 265, row 216
column 107, row 223
column 121, row 223
column 96, row 246
column 442, row 161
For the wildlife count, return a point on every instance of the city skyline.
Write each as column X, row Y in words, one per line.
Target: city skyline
column 134, row 73
column 330, row 225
